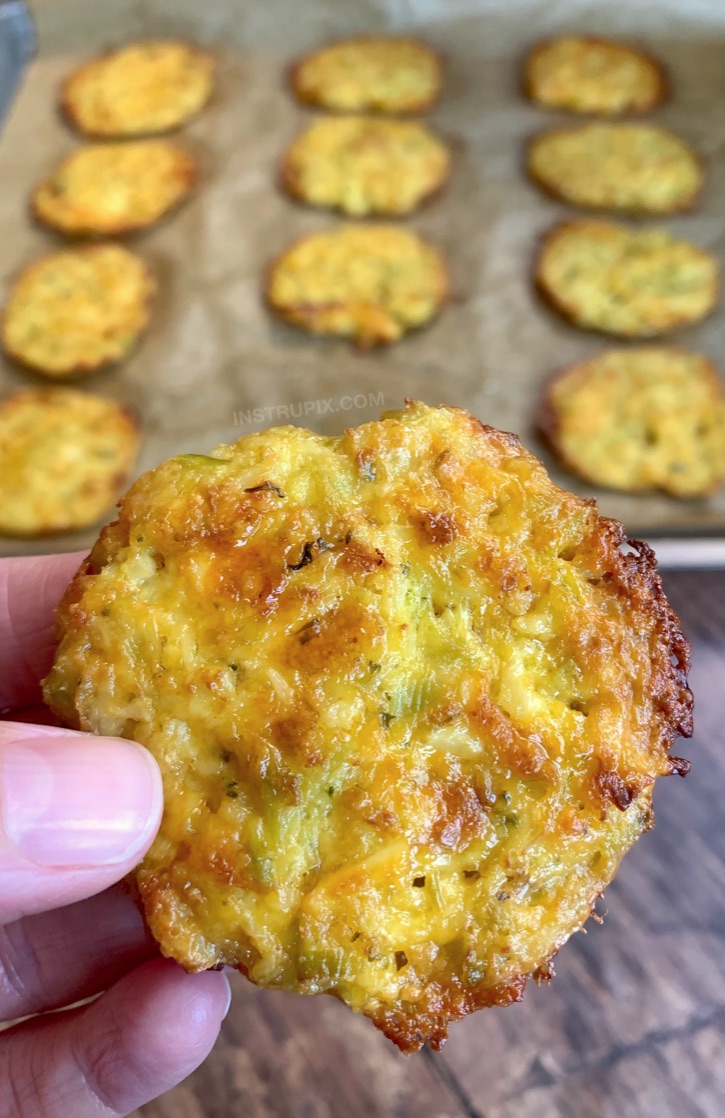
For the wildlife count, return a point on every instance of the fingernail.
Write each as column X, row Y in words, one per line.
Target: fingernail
column 76, row 800
column 229, row 1000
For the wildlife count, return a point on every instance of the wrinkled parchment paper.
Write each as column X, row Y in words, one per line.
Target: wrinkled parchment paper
column 214, row 365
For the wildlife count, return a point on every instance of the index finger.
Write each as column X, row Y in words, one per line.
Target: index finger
column 30, row 589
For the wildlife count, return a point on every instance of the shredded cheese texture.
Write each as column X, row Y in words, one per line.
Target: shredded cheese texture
column 408, row 698
column 630, row 283
column 375, row 73
column 140, row 89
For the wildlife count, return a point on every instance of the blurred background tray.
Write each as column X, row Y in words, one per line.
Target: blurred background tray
column 213, row 354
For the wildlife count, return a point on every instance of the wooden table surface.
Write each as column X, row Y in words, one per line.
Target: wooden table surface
column 632, row 1027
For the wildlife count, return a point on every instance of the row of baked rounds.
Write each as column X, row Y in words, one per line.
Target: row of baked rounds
column 360, row 164
column 309, row 278
column 64, row 454
column 370, row 283
column 634, row 419
column 77, row 311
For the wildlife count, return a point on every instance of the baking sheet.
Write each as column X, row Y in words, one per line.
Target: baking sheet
column 215, row 365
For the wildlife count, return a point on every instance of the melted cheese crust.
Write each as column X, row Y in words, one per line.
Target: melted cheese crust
column 75, row 311
column 631, row 283
column 111, row 189
column 650, row 418
column 408, row 697
column 64, row 456
column 598, row 76
column 371, row 283
column 143, row 88
column 365, row 165
column 634, row 167
column 379, row 74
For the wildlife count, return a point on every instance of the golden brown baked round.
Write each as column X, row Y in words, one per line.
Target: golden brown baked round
column 639, row 168
column 589, row 75
column 400, row 758
column 112, row 189
column 635, row 419
column 64, row 457
column 634, row 284
column 371, row 283
column 75, row 311
column 382, row 74
column 363, row 165
column 138, row 90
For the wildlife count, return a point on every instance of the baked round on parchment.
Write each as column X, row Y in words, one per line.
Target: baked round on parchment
column 603, row 77
column 639, row 168
column 639, row 419
column 138, row 90
column 112, row 189
column 372, row 73
column 400, row 759
column 371, row 283
column 363, row 165
column 75, row 311
column 630, row 283
column 64, row 457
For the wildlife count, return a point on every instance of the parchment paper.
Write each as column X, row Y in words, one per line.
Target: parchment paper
column 213, row 354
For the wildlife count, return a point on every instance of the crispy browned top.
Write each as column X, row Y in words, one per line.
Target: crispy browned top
column 409, row 699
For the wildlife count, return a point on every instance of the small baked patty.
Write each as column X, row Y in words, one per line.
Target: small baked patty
column 639, row 419
column 138, row 90
column 639, row 168
column 376, row 73
column 409, row 699
column 75, row 311
column 112, row 189
column 363, row 165
column 630, row 283
column 64, row 457
column 602, row 77
column 371, row 283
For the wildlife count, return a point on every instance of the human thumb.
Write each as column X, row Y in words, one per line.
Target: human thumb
column 77, row 812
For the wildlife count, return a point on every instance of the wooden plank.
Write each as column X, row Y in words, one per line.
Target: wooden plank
column 281, row 1056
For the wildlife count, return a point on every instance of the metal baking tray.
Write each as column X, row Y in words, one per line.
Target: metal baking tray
column 214, row 365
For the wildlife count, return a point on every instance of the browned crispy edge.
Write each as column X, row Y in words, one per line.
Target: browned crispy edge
column 547, row 425
column 688, row 206
column 121, row 229
column 288, row 183
column 664, row 89
column 305, row 311
column 633, row 574
column 83, row 369
column 414, row 110
column 549, row 298
column 67, row 114
column 120, row 479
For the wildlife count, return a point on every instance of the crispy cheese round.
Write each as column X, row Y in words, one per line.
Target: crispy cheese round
column 364, row 165
column 636, row 419
column 75, row 311
column 400, row 757
column 598, row 76
column 64, row 457
column 634, row 284
column 383, row 74
column 112, row 189
column 140, row 89
column 371, row 283
column 638, row 168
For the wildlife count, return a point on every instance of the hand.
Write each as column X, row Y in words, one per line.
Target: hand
column 76, row 814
